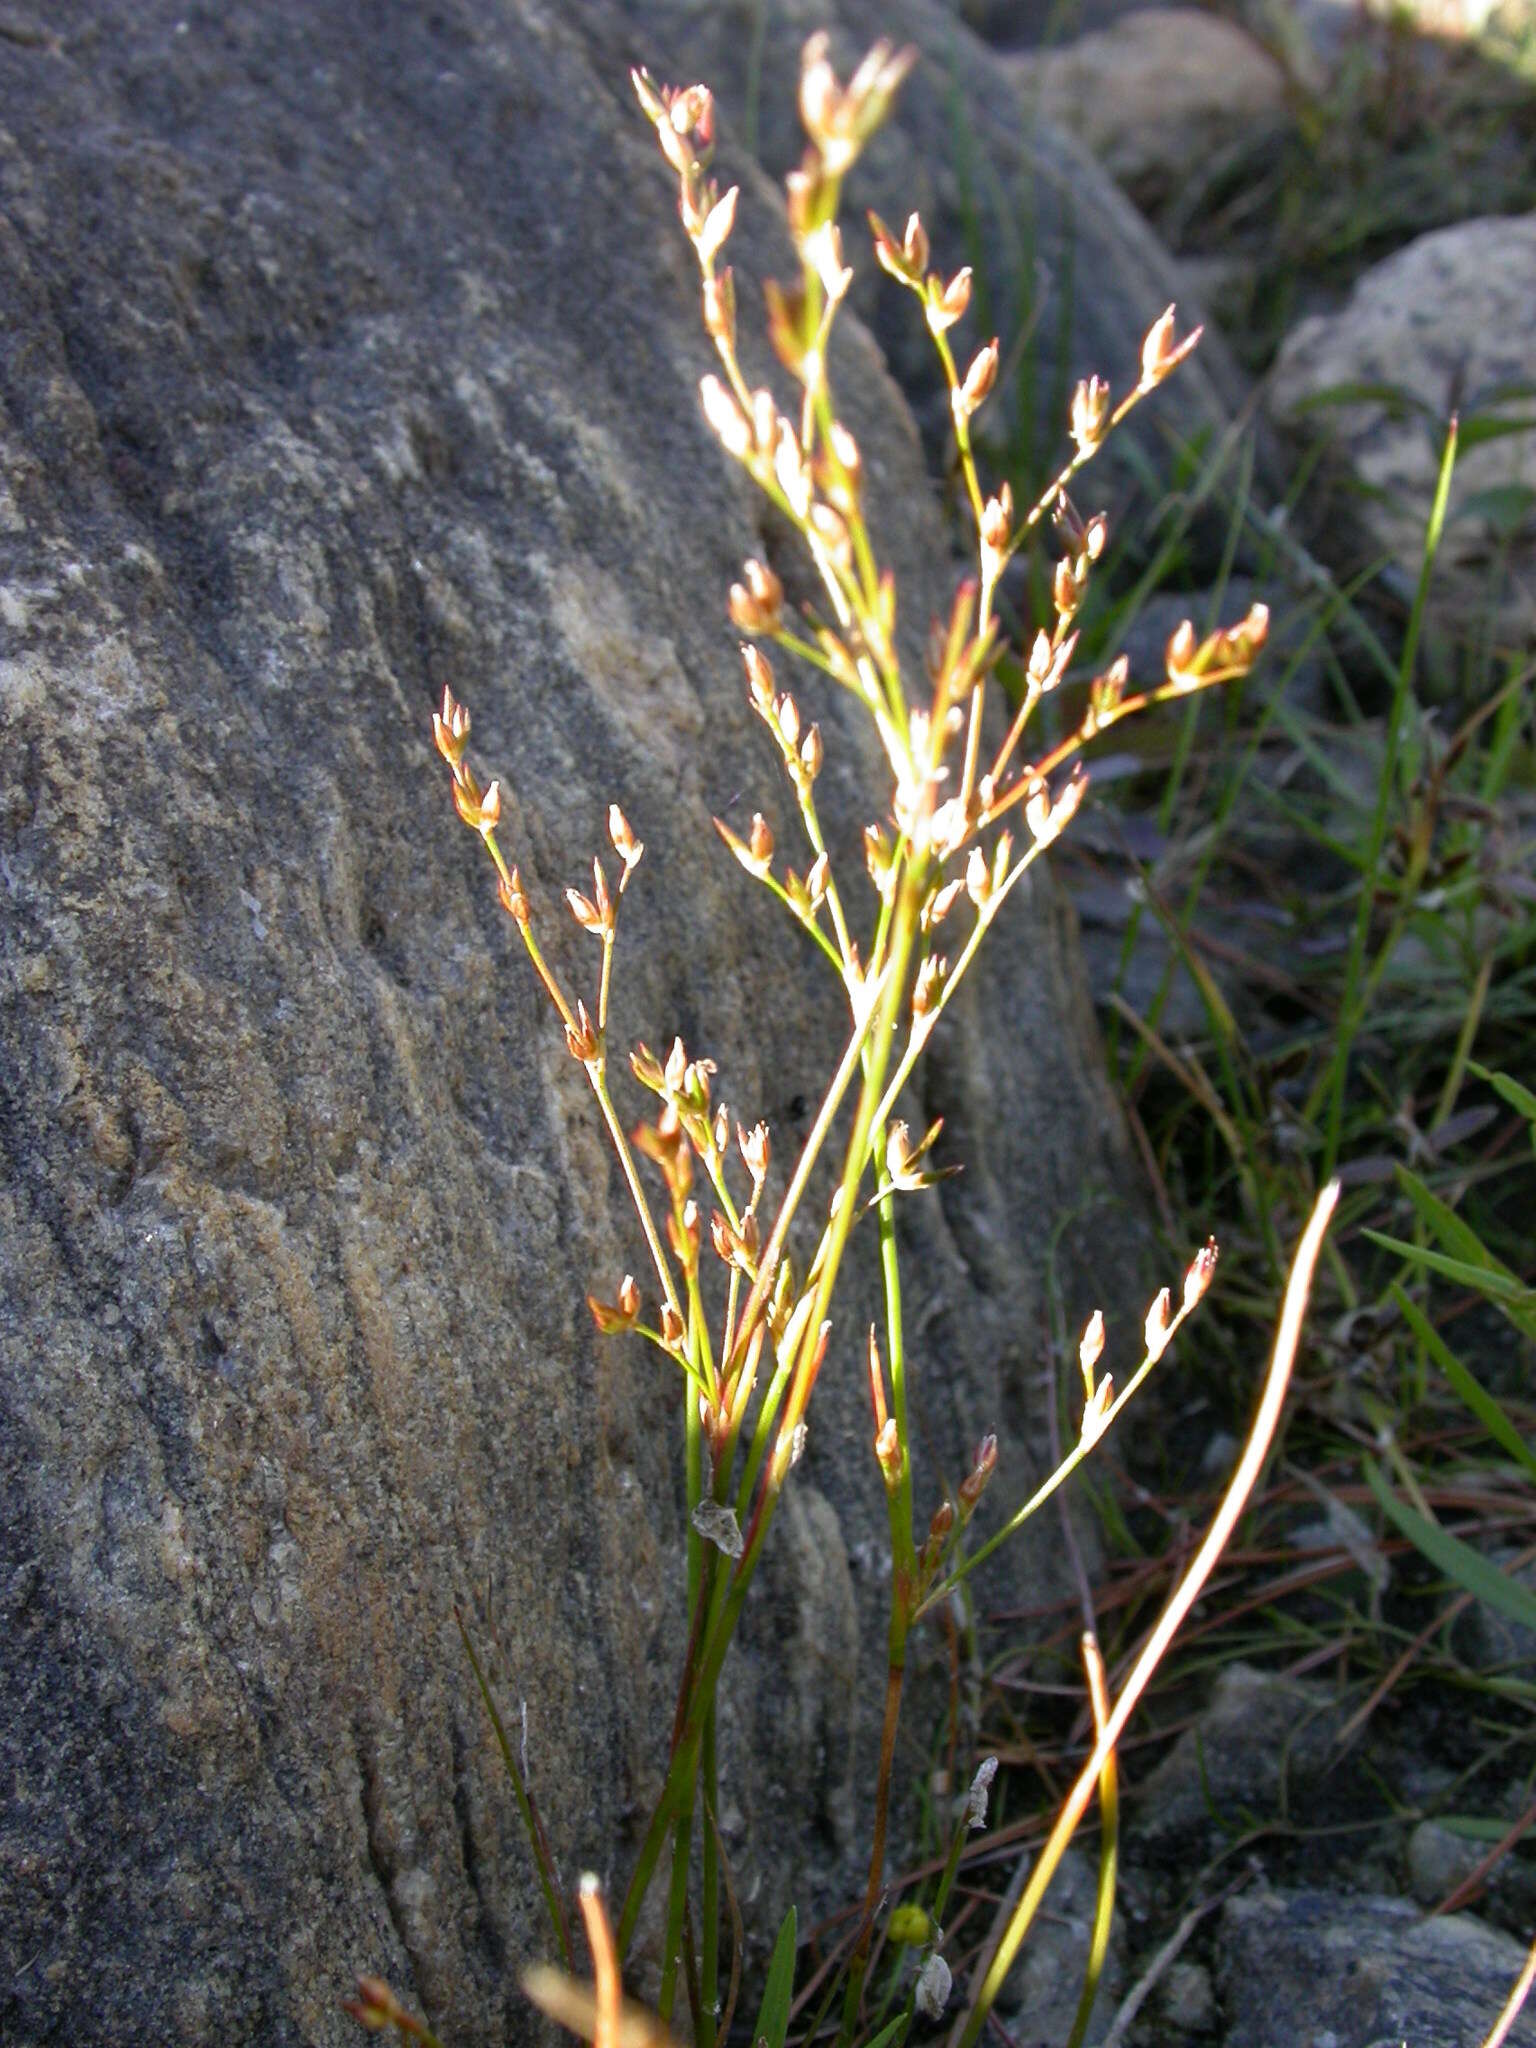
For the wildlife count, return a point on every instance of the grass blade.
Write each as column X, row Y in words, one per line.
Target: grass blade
column 773, row 2014
column 1461, row 1564
column 1488, row 1411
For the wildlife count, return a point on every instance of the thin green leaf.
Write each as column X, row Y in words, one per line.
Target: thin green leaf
column 773, row 2014
column 1493, row 1283
column 1459, row 1238
column 1508, row 1090
column 1463, row 1565
column 1489, row 1412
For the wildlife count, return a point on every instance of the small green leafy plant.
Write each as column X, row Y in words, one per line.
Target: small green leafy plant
column 744, row 1328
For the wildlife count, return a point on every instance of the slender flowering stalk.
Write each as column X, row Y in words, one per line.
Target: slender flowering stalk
column 750, row 1334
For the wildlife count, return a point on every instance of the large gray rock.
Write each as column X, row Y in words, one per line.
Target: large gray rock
column 1310, row 1967
column 348, row 354
column 1156, row 94
column 1446, row 323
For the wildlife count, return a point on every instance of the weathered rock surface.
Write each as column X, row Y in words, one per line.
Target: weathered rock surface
column 348, row 354
column 1261, row 1743
column 1448, row 322
column 1155, row 93
column 1316, row 1967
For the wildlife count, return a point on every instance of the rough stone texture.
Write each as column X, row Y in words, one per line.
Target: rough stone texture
column 1039, row 1996
column 1450, row 321
column 1261, row 1744
column 1314, row 1968
column 349, row 353
column 1156, row 93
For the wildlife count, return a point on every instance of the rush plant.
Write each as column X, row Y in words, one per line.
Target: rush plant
column 971, row 806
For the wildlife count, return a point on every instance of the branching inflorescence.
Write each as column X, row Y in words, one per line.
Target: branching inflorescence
column 748, row 1331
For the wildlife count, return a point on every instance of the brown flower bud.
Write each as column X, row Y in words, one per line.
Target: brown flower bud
column 1179, row 654
column 1202, row 1271
column 450, row 728
column 759, row 681
column 811, row 754
column 509, row 893
column 683, row 1234
column 480, row 810
column 817, row 877
column 760, row 843
column 647, row 1068
column 613, row 1316
column 721, row 1237
column 744, row 851
column 624, row 842
column 584, row 910
column 1159, row 352
column 947, row 304
column 582, row 1039
column 756, row 1151
column 929, row 986
column 1158, row 1325
column 974, row 1484
column 672, row 1328
column 997, row 521
column 888, row 1452
column 1069, row 585
column 721, row 218
column 978, row 882
column 756, row 603
column 1090, row 414
column 375, row 2006
column 725, row 418
column 720, row 307
column 1096, row 1409
column 979, row 380
column 1091, row 1349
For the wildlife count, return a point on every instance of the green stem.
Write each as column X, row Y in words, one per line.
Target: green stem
column 709, row 1933
column 1354, row 999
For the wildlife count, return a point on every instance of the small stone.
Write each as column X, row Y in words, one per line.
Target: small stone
column 1445, row 320
column 1152, row 96
column 1439, row 1860
column 1188, row 1999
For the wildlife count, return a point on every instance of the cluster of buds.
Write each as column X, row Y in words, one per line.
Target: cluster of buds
column 479, row 808
column 1161, row 355
column 902, row 1156
column 1086, row 543
column 1048, row 817
column 1098, row 1395
column 975, row 387
column 620, row 1314
column 755, row 852
column 840, row 119
column 944, row 300
column 756, row 604
column 594, row 913
column 376, row 2007
column 1229, row 651
column 734, row 1245
column 800, row 746
column 1048, row 661
column 1090, row 415
column 1105, row 694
